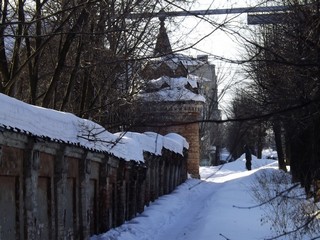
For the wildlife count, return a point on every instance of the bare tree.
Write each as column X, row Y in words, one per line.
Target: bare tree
column 77, row 56
column 285, row 71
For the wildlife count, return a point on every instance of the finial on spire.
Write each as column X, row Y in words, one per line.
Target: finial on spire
column 162, row 16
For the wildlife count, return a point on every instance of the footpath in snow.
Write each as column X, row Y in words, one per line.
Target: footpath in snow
column 206, row 209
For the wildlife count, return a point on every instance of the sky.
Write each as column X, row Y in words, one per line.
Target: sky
column 214, row 41
column 215, row 207
column 219, row 42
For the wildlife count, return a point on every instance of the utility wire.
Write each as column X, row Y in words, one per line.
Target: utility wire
column 204, row 180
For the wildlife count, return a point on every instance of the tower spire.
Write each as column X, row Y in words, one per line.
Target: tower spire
column 163, row 46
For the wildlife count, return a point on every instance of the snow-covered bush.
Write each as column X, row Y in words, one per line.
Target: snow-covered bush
column 287, row 210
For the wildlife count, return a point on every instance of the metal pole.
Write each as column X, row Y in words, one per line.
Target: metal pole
column 163, row 14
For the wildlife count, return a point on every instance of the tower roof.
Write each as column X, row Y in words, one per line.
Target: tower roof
column 163, row 46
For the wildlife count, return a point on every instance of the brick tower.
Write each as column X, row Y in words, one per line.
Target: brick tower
column 179, row 117
column 171, row 101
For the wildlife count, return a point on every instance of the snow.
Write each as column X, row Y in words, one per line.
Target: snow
column 65, row 127
column 212, row 208
column 176, row 94
column 199, row 79
column 178, row 138
column 171, row 89
column 153, row 142
column 270, row 154
column 173, row 82
column 225, row 155
column 185, row 60
column 174, row 61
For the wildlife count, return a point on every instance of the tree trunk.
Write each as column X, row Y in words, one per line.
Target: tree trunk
column 278, row 140
column 62, row 57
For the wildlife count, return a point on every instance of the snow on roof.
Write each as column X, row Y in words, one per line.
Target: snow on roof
column 198, row 79
column 147, row 143
column 173, row 82
column 175, row 60
column 172, row 89
column 171, row 141
column 185, row 60
column 64, row 127
column 178, row 138
column 154, row 142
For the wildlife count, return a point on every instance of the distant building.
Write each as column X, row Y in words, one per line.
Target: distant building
column 205, row 73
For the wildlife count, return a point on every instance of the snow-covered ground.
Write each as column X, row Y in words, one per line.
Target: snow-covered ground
column 212, row 208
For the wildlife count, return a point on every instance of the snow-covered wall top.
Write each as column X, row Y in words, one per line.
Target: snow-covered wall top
column 154, row 142
column 171, row 89
column 67, row 128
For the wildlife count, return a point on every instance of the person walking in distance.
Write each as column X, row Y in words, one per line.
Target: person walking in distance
column 248, row 157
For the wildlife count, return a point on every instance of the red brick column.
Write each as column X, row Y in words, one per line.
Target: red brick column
column 191, row 133
column 176, row 117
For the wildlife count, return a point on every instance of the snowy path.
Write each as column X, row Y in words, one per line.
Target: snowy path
column 190, row 216
column 201, row 210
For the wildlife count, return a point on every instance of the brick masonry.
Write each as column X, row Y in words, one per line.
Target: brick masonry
column 180, row 117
